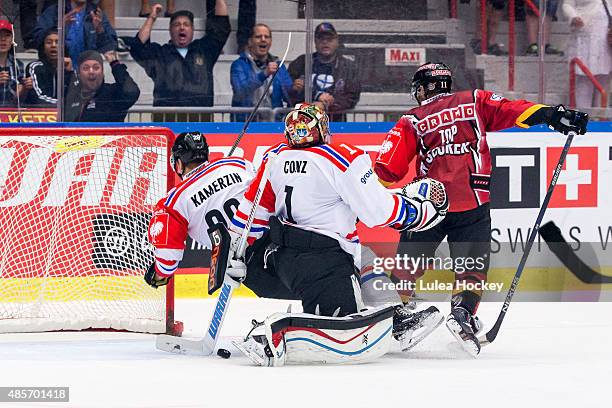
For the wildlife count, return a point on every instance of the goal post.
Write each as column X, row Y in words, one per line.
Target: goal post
column 75, row 204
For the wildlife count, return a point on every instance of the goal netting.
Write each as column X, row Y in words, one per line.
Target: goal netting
column 74, row 211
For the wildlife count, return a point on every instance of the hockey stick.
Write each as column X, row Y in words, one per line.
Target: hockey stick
column 492, row 334
column 559, row 246
column 207, row 344
column 265, row 92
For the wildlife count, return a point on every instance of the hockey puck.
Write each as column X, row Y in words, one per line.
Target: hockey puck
column 223, row 353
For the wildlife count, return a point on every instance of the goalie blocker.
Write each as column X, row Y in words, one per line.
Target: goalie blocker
column 300, row 338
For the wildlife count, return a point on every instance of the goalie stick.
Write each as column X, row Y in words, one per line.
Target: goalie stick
column 206, row 345
column 490, row 336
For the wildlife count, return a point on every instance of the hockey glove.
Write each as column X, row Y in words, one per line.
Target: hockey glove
column 236, row 269
column 567, row 120
column 427, row 204
column 236, row 266
column 153, row 279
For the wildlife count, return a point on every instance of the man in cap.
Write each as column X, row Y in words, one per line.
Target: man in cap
column 90, row 99
column 13, row 85
column 335, row 77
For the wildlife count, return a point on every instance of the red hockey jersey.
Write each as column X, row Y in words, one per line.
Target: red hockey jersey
column 448, row 135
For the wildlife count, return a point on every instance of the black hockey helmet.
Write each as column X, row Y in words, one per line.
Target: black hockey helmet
column 435, row 77
column 189, row 147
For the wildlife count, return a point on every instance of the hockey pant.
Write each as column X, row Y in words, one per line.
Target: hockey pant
column 316, row 269
column 469, row 236
column 261, row 277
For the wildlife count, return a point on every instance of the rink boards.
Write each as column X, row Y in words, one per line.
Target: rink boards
column 523, row 163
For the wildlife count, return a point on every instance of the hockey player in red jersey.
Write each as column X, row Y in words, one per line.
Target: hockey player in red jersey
column 316, row 191
column 447, row 133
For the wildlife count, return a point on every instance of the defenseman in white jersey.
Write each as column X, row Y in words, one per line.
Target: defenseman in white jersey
column 208, row 194
column 314, row 195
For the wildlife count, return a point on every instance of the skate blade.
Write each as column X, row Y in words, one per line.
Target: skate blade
column 254, row 357
column 470, row 346
column 180, row 345
column 431, row 323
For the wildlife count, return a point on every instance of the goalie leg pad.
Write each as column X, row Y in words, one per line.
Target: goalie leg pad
column 375, row 290
column 300, row 338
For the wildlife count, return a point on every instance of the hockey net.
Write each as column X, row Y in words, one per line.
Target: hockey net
column 74, row 211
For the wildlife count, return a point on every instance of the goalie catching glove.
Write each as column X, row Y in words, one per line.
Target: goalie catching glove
column 427, row 204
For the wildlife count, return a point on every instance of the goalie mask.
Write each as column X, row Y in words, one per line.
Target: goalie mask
column 306, row 125
column 189, row 147
column 434, row 77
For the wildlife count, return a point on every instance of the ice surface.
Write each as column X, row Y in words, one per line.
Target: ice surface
column 546, row 355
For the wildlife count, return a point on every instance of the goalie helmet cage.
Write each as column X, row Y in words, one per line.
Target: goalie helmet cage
column 75, row 204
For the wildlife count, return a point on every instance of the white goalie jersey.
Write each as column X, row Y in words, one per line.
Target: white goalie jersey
column 324, row 189
column 208, row 195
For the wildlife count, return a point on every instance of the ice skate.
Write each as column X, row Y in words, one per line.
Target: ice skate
column 410, row 328
column 465, row 327
column 255, row 346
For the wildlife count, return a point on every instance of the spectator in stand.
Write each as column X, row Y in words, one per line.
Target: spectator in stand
column 335, row 76
column 247, row 16
column 533, row 25
column 145, row 8
column 588, row 41
column 495, row 11
column 13, row 84
column 182, row 70
column 90, row 99
column 28, row 13
column 87, row 28
column 43, row 72
column 108, row 7
column 251, row 72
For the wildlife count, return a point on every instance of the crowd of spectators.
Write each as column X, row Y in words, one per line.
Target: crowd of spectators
column 181, row 69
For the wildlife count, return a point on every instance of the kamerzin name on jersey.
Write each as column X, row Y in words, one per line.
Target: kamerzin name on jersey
column 214, row 187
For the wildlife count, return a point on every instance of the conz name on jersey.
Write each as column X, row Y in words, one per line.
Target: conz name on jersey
column 446, row 117
column 295, row 166
column 214, row 187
